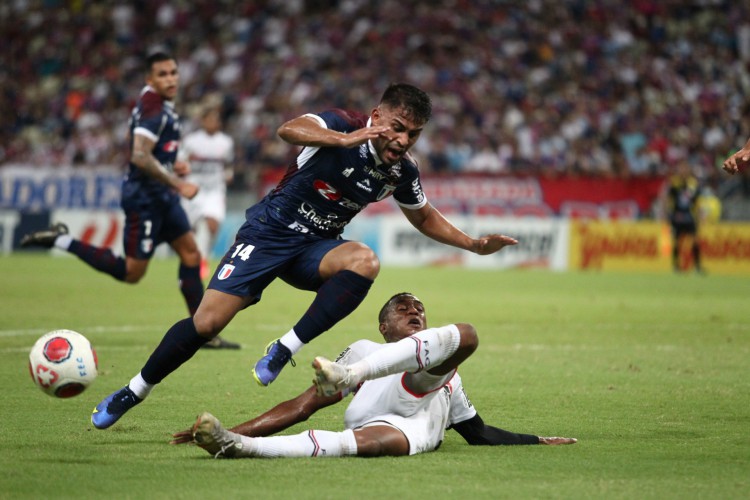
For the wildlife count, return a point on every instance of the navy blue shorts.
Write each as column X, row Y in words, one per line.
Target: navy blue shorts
column 264, row 251
column 148, row 225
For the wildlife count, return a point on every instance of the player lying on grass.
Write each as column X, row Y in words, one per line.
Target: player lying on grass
column 406, row 393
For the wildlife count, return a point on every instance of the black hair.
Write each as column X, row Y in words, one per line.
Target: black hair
column 155, row 58
column 415, row 101
column 390, row 302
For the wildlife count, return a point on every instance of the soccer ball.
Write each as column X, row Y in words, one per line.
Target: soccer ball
column 62, row 363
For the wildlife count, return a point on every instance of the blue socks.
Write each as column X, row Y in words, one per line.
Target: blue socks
column 179, row 344
column 336, row 299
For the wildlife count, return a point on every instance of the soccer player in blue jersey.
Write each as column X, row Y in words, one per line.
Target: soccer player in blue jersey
column 347, row 161
column 151, row 194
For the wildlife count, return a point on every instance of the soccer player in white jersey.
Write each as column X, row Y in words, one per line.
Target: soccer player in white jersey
column 406, row 394
column 210, row 153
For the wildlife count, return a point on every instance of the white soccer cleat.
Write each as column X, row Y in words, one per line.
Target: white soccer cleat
column 209, row 434
column 330, row 377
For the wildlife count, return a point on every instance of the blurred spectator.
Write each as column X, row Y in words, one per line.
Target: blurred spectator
column 542, row 87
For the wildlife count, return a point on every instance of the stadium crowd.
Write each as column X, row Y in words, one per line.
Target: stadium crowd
column 542, row 87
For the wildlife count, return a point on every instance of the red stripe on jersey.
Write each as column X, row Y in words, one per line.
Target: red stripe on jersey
column 151, row 104
column 419, row 350
column 423, row 394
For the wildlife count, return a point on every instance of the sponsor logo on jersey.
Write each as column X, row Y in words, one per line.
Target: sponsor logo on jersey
column 171, row 146
column 347, row 172
column 351, row 205
column 364, row 185
column 225, row 272
column 317, row 220
column 296, row 226
column 326, row 190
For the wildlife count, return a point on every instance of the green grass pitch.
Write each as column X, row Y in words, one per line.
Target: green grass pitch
column 650, row 372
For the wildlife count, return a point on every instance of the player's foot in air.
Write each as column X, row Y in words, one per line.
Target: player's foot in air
column 220, row 343
column 209, row 434
column 330, row 377
column 44, row 238
column 269, row 366
column 113, row 407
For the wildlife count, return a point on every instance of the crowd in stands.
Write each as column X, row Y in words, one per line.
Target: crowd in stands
column 538, row 87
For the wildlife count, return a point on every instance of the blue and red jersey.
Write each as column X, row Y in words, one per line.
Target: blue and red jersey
column 153, row 117
column 327, row 186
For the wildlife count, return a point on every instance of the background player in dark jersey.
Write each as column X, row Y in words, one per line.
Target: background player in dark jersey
column 151, row 194
column 682, row 193
column 405, row 397
column 348, row 160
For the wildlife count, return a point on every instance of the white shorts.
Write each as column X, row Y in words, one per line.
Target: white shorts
column 422, row 419
column 206, row 204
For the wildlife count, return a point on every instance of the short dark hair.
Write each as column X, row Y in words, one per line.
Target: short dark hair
column 390, row 302
column 155, row 58
column 415, row 101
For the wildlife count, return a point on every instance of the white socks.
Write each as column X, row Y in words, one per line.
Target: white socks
column 292, row 342
column 63, row 241
column 421, row 351
column 306, row 444
column 140, row 387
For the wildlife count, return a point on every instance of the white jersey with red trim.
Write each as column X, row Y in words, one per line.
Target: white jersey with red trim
column 423, row 418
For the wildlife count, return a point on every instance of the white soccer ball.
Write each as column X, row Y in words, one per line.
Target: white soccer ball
column 62, row 363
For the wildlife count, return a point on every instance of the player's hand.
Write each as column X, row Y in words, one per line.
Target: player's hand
column 363, row 135
column 184, row 437
column 492, row 243
column 738, row 160
column 187, row 189
column 181, row 168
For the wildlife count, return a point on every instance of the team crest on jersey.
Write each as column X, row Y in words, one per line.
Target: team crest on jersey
column 326, row 190
column 147, row 245
column 171, row 146
column 395, row 171
column 225, row 272
column 385, row 192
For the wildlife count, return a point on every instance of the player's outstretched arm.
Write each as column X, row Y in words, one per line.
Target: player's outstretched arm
column 738, row 160
column 476, row 432
column 307, row 131
column 278, row 418
column 429, row 221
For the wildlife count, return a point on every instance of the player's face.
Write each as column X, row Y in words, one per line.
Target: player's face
column 212, row 122
column 403, row 133
column 405, row 317
column 164, row 78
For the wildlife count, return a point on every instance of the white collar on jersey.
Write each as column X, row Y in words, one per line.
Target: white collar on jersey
column 374, row 153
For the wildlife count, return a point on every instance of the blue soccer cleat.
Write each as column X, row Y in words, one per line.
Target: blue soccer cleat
column 113, row 407
column 269, row 366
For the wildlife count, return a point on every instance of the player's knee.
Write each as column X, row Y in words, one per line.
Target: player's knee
column 365, row 263
column 469, row 338
column 206, row 326
column 375, row 447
